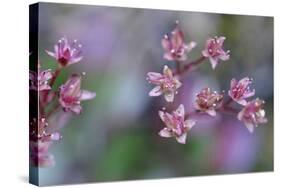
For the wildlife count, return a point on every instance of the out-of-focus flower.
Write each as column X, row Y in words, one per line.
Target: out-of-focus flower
column 166, row 84
column 253, row 114
column 214, row 51
column 175, row 46
column 208, row 101
column 239, row 90
column 66, row 53
column 176, row 126
column 40, row 81
column 40, row 141
column 40, row 155
column 70, row 94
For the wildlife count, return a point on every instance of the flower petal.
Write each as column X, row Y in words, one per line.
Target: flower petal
column 190, row 46
column 154, row 76
column 224, row 56
column 52, row 54
column 180, row 110
column 182, row 139
column 166, row 43
column 220, row 40
column 243, row 102
column 87, row 95
column 205, row 53
column 167, row 71
column 168, row 56
column 77, row 109
column 211, row 112
column 189, row 123
column 250, row 126
column 214, row 62
column 155, row 92
column 166, row 133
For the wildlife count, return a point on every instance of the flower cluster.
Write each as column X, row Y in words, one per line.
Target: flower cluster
column 67, row 97
column 168, row 83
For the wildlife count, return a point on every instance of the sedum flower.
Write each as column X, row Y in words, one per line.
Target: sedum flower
column 239, row 90
column 40, row 155
column 66, row 53
column 40, row 141
column 175, row 47
column 253, row 114
column 70, row 94
column 214, row 51
column 208, row 101
column 176, row 126
column 166, row 84
column 39, row 82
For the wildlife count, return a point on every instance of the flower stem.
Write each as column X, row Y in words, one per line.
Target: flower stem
column 190, row 65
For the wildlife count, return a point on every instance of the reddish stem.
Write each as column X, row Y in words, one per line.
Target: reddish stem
column 190, row 65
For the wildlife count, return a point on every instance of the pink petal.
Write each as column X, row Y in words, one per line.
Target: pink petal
column 214, row 62
column 44, row 87
column 211, row 112
column 166, row 133
column 250, row 126
column 224, row 57
column 87, row 95
column 168, row 56
column 75, row 60
column 167, row 71
column 240, row 115
column 190, row 46
column 55, row 136
column 177, row 38
column 220, row 40
column 233, row 83
column 166, row 43
column 50, row 53
column 205, row 53
column 47, row 75
column 180, row 110
column 189, row 123
column 76, row 109
column 182, row 139
column 245, row 81
column 154, row 76
column 243, row 102
column 155, row 92
column 249, row 94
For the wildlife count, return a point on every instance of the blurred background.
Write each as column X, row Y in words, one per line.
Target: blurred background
column 116, row 136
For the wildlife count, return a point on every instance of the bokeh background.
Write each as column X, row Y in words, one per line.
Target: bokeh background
column 116, row 136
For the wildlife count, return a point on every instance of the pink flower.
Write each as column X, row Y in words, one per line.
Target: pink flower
column 239, row 91
column 208, row 101
column 214, row 51
column 66, row 53
column 40, row 155
column 253, row 114
column 165, row 83
column 176, row 126
column 70, row 94
column 40, row 141
column 40, row 81
column 175, row 47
